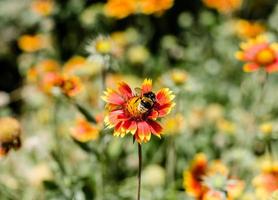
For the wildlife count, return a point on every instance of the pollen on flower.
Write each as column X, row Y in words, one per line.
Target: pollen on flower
column 128, row 112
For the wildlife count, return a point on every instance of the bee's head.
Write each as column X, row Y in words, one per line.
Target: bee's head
column 150, row 95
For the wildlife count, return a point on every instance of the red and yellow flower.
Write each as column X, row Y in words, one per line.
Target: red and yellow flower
column 125, row 117
column 207, row 181
column 266, row 182
column 49, row 81
column 193, row 177
column 259, row 53
column 68, row 85
column 71, row 85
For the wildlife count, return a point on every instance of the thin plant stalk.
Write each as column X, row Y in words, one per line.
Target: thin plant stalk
column 269, row 149
column 139, row 171
column 262, row 80
column 171, row 160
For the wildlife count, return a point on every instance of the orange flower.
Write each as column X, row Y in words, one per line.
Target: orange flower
column 32, row 43
column 137, row 113
column 155, row 6
column 267, row 181
column 192, row 178
column 247, row 29
column 120, row 8
column 42, row 7
column 84, row 131
column 223, row 6
column 259, row 53
column 10, row 132
column 71, row 85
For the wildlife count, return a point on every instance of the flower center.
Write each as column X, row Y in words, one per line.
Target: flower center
column 103, row 47
column 265, row 57
column 134, row 108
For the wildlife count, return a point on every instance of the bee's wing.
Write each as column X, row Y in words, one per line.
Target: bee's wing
column 138, row 91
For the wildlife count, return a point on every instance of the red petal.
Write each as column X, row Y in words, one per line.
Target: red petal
column 272, row 68
column 155, row 127
column 143, row 131
column 116, row 116
column 164, row 96
column 125, row 90
column 147, row 86
column 112, row 97
column 153, row 115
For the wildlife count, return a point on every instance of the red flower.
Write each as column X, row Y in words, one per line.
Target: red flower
column 259, row 53
column 137, row 113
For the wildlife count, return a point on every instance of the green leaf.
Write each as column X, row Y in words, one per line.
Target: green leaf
column 85, row 112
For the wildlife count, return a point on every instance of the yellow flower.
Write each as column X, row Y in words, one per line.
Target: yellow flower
column 120, row 8
column 101, row 45
column 84, row 131
column 226, row 126
column 214, row 112
column 10, row 132
column 154, row 6
column 266, row 128
column 247, row 29
column 42, row 7
column 120, row 38
column 179, row 77
column 138, row 54
column 32, row 43
column 174, row 124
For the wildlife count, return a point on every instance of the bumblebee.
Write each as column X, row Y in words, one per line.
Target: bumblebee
column 141, row 104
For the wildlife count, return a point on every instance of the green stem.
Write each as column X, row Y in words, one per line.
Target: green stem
column 57, row 138
column 139, row 171
column 269, row 149
column 263, row 80
column 170, row 165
